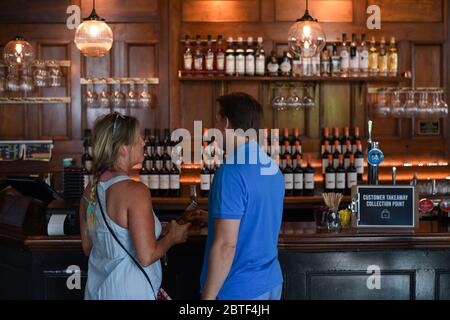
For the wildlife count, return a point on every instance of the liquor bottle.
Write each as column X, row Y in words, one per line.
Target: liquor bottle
column 354, row 57
column 363, row 57
column 383, row 59
column 326, row 137
column 309, row 178
column 240, row 58
column 335, row 62
column 373, row 58
column 154, row 179
column 144, row 175
column 296, row 65
column 330, row 176
column 355, row 140
column 260, row 59
column 220, row 57
column 359, row 161
column 315, row 65
column 336, row 154
column 164, row 181
column 298, row 177
column 250, row 58
column 230, row 65
column 188, row 56
column 273, row 67
column 352, row 174
column 174, row 183
column 325, row 66
column 199, row 56
column 393, row 58
column 325, row 155
column 286, row 142
column 347, row 154
column 286, row 65
column 209, row 56
column 340, row 175
column 288, row 174
column 345, row 56
column 307, row 67
column 147, row 161
column 336, row 138
column 205, row 181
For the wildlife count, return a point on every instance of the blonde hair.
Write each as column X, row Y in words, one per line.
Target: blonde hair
column 106, row 147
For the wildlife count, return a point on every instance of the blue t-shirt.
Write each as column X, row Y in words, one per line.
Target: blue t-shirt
column 254, row 194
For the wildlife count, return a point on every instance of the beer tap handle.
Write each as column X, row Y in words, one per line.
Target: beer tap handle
column 394, row 176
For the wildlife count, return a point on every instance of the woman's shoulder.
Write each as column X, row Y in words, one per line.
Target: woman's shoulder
column 133, row 189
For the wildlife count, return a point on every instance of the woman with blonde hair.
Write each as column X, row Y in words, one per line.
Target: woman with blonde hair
column 119, row 230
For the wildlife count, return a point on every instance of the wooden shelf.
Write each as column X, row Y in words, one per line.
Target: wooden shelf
column 150, row 81
column 214, row 78
column 61, row 63
column 36, row 100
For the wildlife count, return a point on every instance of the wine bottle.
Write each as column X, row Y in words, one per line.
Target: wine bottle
column 174, row 183
column 359, row 161
column 352, row 175
column 164, row 181
column 144, row 175
column 154, row 179
column 336, row 154
column 250, row 58
column 230, row 64
column 219, row 61
column 298, row 177
column 347, row 154
column 326, row 137
column 330, row 176
column 288, row 174
column 355, row 139
column 340, row 176
column 309, row 178
column 325, row 155
column 205, row 181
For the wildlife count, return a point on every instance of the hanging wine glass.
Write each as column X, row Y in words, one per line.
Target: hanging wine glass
column 12, row 80
column 293, row 101
column 92, row 100
column 132, row 97
column 26, row 80
column 279, row 102
column 424, row 111
column 105, row 97
column 118, row 97
column 40, row 74
column 397, row 108
column 443, row 106
column 382, row 110
column 410, row 104
column 145, row 97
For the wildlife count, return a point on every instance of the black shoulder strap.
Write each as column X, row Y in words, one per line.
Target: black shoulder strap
column 123, row 247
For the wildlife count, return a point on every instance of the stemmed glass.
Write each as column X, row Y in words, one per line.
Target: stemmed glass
column 132, row 97
column 12, row 80
column 308, row 101
column 424, row 111
column 279, row 102
column 118, row 97
column 105, row 97
column 397, row 108
column 410, row 104
column 26, row 80
column 293, row 101
column 145, row 97
column 92, row 100
column 382, row 109
column 443, row 106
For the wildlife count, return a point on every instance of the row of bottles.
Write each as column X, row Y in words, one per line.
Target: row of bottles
column 357, row 58
column 87, row 158
column 160, row 173
column 235, row 60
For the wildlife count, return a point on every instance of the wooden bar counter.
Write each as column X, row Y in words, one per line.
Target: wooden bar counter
column 316, row 264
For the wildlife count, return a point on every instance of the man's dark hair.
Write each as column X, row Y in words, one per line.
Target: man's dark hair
column 242, row 110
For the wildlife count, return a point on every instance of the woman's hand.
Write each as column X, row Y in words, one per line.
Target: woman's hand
column 178, row 233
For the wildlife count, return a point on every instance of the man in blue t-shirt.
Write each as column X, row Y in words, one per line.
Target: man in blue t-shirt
column 245, row 211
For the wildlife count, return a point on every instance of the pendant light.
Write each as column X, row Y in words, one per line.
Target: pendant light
column 94, row 38
column 306, row 37
column 18, row 52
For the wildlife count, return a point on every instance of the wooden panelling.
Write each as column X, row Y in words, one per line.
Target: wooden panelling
column 13, row 122
column 410, row 10
column 198, row 99
column 54, row 120
column 221, row 11
column 123, row 10
column 442, row 285
column 142, row 60
column 323, row 10
column 336, row 105
column 37, row 11
column 427, row 58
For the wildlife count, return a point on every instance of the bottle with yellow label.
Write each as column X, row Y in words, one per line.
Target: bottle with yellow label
column 383, row 69
column 393, row 59
column 373, row 58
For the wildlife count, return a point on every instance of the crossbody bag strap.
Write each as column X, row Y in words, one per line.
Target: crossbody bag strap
column 122, row 246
